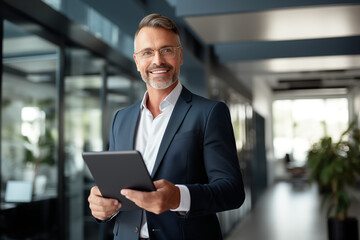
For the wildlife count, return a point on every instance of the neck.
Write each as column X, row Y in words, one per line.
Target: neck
column 156, row 96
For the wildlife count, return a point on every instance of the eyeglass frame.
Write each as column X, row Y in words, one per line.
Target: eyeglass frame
column 154, row 50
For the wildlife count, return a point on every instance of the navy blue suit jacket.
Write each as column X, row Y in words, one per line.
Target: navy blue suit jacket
column 197, row 150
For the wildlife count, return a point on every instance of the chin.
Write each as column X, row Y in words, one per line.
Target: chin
column 161, row 85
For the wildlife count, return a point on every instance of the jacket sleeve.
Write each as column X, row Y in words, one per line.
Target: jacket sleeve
column 225, row 189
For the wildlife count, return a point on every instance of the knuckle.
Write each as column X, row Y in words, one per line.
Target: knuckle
column 98, row 201
column 104, row 215
column 91, row 206
column 97, row 215
column 100, row 216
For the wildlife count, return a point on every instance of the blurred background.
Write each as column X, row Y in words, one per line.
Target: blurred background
column 288, row 70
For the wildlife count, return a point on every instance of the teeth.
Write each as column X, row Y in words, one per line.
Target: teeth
column 162, row 71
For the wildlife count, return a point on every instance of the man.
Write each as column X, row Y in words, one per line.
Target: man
column 184, row 139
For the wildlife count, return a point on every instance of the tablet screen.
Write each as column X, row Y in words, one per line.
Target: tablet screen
column 116, row 170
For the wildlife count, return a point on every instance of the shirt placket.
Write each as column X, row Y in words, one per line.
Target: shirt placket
column 152, row 138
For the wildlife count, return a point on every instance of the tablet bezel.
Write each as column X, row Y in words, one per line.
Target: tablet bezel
column 116, row 170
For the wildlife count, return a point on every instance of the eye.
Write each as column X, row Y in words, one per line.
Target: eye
column 167, row 50
column 147, row 53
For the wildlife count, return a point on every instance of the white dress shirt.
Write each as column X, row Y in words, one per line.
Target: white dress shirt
column 149, row 134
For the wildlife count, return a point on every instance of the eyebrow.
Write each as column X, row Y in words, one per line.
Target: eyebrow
column 165, row 46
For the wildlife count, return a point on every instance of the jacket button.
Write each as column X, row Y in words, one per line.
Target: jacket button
column 136, row 229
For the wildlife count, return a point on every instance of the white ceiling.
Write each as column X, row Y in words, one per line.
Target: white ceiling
column 299, row 64
column 279, row 25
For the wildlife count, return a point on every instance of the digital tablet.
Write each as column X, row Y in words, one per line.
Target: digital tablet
column 115, row 170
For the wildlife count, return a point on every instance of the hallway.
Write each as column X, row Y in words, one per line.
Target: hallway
column 285, row 212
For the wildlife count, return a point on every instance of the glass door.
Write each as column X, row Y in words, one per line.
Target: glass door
column 29, row 136
column 83, row 132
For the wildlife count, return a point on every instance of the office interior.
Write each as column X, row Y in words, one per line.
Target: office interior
column 288, row 71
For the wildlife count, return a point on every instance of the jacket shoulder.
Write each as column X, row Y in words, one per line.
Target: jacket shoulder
column 199, row 101
column 135, row 107
column 205, row 104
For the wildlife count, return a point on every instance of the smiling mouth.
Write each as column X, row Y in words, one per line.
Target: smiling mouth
column 159, row 71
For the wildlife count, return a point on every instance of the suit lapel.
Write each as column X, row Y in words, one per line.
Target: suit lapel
column 180, row 110
column 135, row 114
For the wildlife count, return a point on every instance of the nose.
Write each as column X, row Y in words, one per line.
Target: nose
column 158, row 58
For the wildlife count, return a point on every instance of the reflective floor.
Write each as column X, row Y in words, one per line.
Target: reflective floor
column 287, row 211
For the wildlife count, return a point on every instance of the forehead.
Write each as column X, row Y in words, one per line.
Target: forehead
column 155, row 38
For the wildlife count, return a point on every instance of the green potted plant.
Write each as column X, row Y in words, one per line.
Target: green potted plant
column 40, row 152
column 335, row 167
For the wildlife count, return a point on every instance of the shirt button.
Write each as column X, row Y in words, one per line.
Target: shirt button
column 136, row 229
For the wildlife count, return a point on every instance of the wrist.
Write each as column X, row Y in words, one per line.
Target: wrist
column 185, row 199
column 177, row 198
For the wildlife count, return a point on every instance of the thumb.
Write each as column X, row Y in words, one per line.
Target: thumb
column 160, row 183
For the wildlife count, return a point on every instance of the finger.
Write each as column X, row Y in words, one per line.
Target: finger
column 132, row 194
column 102, row 208
column 168, row 195
column 95, row 197
column 95, row 191
column 103, row 203
column 102, row 215
column 103, row 211
column 155, row 202
column 159, row 183
column 106, row 209
column 142, row 199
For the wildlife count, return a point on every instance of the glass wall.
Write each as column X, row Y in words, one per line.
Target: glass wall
column 29, row 137
column 94, row 91
column 30, row 134
column 83, row 132
column 120, row 94
column 301, row 122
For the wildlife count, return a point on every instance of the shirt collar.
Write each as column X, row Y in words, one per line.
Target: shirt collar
column 170, row 99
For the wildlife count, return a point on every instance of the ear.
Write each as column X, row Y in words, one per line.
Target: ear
column 136, row 62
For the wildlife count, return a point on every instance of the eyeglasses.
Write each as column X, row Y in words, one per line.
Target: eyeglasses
column 166, row 52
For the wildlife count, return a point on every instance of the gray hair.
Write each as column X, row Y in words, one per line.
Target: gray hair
column 158, row 21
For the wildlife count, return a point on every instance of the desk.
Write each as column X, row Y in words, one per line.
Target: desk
column 33, row 220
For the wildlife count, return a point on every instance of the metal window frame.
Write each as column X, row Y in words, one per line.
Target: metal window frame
column 1, row 70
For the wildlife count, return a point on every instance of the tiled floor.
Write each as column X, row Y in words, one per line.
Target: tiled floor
column 287, row 212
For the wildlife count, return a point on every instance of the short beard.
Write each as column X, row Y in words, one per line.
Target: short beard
column 162, row 84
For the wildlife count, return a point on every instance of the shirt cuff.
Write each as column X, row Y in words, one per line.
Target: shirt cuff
column 185, row 199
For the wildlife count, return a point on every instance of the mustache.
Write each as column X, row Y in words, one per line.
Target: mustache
column 163, row 65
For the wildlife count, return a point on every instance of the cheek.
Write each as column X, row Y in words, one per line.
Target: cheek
column 179, row 62
column 141, row 67
column 136, row 63
column 175, row 64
